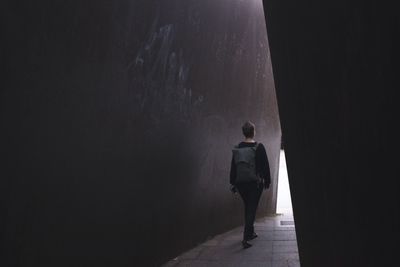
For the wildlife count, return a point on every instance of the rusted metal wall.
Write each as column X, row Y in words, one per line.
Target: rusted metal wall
column 117, row 120
column 336, row 75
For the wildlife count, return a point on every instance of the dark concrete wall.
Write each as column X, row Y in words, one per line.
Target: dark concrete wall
column 336, row 74
column 117, row 119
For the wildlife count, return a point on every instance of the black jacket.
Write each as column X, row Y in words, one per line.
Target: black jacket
column 262, row 164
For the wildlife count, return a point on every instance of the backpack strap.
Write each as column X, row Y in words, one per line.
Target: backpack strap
column 256, row 146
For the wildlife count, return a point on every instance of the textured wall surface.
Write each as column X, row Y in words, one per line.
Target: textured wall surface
column 117, row 119
column 336, row 74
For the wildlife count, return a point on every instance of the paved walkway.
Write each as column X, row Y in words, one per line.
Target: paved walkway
column 275, row 246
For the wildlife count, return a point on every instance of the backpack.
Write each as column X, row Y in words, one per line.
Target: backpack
column 245, row 161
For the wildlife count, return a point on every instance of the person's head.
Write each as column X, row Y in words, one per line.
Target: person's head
column 248, row 129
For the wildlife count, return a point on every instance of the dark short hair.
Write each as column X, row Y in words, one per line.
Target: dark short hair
column 248, row 129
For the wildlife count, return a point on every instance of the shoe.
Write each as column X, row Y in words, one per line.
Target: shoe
column 253, row 236
column 246, row 244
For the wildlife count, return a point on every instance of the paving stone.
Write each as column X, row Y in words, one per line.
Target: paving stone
column 286, row 263
column 285, row 256
column 191, row 254
column 222, row 253
column 284, row 235
column 257, row 255
column 263, row 245
column 294, row 263
column 250, row 263
column 284, row 246
column 265, row 235
column 233, row 236
column 285, row 228
column 265, row 223
column 258, row 228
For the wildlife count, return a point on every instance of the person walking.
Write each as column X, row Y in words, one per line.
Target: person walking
column 249, row 175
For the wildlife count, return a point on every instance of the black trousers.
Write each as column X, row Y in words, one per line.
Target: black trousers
column 250, row 193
